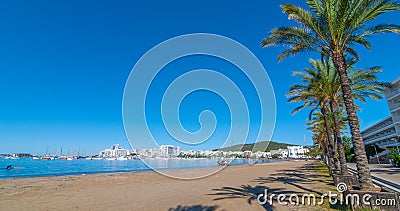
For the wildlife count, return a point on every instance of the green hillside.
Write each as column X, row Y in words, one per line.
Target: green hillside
column 259, row 147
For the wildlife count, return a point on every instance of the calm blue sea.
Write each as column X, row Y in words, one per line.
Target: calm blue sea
column 26, row 167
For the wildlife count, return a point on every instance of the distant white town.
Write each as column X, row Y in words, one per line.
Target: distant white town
column 169, row 151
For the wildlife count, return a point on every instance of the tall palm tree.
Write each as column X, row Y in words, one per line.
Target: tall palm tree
column 332, row 28
column 331, row 89
column 317, row 127
column 321, row 84
column 313, row 93
column 347, row 147
column 364, row 84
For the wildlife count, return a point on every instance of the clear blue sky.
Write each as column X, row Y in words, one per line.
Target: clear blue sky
column 64, row 64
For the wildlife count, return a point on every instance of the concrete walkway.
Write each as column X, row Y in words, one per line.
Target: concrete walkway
column 385, row 171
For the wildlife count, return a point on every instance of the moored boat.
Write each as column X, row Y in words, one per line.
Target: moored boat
column 47, row 158
column 223, row 162
column 110, row 158
column 97, row 158
column 122, row 158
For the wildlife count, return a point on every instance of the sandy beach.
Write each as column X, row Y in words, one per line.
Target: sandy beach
column 233, row 188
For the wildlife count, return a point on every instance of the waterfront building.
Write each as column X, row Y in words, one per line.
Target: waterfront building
column 386, row 132
column 393, row 100
column 143, row 153
column 382, row 134
column 168, row 151
column 247, row 154
column 208, row 153
column 283, row 153
column 260, row 154
column 296, row 151
column 289, row 152
column 115, row 152
column 154, row 153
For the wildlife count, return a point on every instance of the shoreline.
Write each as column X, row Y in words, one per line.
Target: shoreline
column 159, row 171
column 147, row 168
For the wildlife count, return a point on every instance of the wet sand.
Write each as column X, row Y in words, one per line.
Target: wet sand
column 233, row 188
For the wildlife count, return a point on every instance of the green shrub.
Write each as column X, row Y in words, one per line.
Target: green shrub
column 275, row 156
column 350, row 158
column 394, row 154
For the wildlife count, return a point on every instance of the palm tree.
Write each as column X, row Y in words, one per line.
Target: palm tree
column 347, row 147
column 321, row 84
column 318, row 125
column 313, row 93
column 364, row 84
column 331, row 90
column 339, row 124
column 332, row 29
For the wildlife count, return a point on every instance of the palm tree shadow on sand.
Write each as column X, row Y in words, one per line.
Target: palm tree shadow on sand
column 249, row 192
column 299, row 179
column 198, row 207
column 290, row 179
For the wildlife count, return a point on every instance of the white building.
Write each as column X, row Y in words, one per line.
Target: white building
column 393, row 100
column 153, row 153
column 260, row 154
column 115, row 152
column 247, row 154
column 296, row 151
column 283, row 153
column 386, row 132
column 168, row 151
column 382, row 133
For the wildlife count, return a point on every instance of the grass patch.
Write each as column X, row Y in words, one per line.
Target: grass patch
column 323, row 182
column 320, row 168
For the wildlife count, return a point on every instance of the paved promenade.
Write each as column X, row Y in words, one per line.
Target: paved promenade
column 385, row 171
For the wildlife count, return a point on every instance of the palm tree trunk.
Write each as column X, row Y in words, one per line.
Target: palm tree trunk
column 364, row 174
column 331, row 150
column 336, row 133
column 328, row 160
